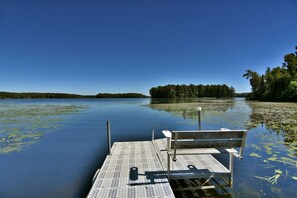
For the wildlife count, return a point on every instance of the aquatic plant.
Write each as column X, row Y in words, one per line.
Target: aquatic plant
column 280, row 117
column 23, row 125
column 256, row 147
column 255, row 155
column 273, row 179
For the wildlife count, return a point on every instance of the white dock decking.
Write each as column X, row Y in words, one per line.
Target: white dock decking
column 138, row 169
column 132, row 170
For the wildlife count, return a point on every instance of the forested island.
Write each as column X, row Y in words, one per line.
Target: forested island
column 120, row 95
column 277, row 84
column 33, row 95
column 192, row 91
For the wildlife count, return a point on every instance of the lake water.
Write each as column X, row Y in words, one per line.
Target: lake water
column 52, row 148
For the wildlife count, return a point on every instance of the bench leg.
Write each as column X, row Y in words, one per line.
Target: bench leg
column 231, row 161
column 168, row 157
column 168, row 166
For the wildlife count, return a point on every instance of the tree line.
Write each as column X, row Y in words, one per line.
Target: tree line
column 33, row 95
column 277, row 84
column 192, row 91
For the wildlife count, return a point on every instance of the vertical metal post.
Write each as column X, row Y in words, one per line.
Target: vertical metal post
column 168, row 157
column 199, row 117
column 108, row 137
column 231, row 161
column 153, row 135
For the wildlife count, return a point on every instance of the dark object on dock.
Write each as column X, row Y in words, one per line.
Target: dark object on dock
column 133, row 173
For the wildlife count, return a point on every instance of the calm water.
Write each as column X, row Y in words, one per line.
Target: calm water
column 52, row 148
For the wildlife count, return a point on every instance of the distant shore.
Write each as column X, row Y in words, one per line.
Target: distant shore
column 36, row 95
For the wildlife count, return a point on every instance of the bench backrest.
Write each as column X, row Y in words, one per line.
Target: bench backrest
column 208, row 139
column 218, row 139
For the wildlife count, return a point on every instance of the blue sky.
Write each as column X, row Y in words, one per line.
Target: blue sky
column 87, row 47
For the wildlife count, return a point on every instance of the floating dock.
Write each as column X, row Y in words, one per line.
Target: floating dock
column 138, row 169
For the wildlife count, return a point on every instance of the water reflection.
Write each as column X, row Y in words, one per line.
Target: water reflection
column 172, row 100
column 76, row 151
column 187, row 108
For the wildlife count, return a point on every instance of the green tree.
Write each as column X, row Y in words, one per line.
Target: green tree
column 255, row 82
column 277, row 84
column 291, row 91
column 190, row 91
column 291, row 64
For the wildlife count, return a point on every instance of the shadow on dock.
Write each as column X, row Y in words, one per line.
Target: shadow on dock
column 181, row 187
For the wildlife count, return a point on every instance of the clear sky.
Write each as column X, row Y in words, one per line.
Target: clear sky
column 87, row 47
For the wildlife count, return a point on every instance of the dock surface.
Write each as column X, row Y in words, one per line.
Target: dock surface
column 139, row 169
column 132, row 170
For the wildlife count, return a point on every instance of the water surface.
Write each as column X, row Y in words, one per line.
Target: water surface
column 51, row 148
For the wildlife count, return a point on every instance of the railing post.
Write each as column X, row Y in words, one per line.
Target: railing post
column 108, row 137
column 231, row 161
column 153, row 135
column 199, row 117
